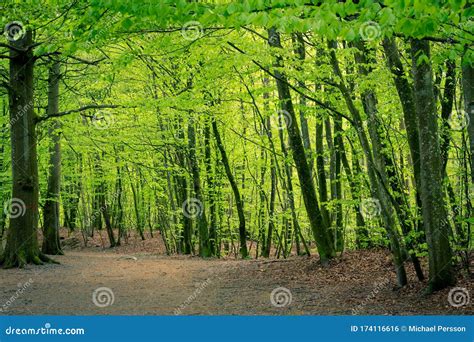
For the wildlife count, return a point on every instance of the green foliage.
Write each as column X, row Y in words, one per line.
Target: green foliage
column 167, row 64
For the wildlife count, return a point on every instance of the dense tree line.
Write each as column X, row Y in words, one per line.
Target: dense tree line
column 258, row 128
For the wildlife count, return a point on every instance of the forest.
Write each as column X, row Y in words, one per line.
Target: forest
column 257, row 143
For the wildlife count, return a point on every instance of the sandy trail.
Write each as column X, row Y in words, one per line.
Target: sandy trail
column 144, row 284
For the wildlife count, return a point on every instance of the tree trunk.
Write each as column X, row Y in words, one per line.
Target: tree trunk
column 378, row 188
column 300, row 51
column 386, row 164
column 51, row 244
column 432, row 195
column 321, row 172
column 213, row 243
column 235, row 189
column 468, row 91
column 362, row 234
column 334, row 144
column 319, row 228
column 102, row 201
column 406, row 94
column 22, row 241
column 3, row 192
column 204, row 247
column 266, row 246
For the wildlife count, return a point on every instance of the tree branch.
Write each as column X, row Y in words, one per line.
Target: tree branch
column 77, row 110
column 319, row 103
column 97, row 61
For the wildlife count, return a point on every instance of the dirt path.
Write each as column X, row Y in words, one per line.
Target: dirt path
column 144, row 284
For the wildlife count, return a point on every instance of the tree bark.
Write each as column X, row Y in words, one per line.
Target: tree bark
column 432, row 194
column 22, row 241
column 318, row 226
column 386, row 163
column 468, row 93
column 102, row 201
column 378, row 188
column 204, row 247
column 213, row 243
column 51, row 243
column 235, row 189
column 321, row 172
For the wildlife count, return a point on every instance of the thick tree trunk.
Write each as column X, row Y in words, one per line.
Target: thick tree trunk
column 235, row 189
column 51, row 244
column 22, row 241
column 432, row 194
column 318, row 226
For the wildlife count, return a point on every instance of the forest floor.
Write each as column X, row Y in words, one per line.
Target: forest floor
column 142, row 282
